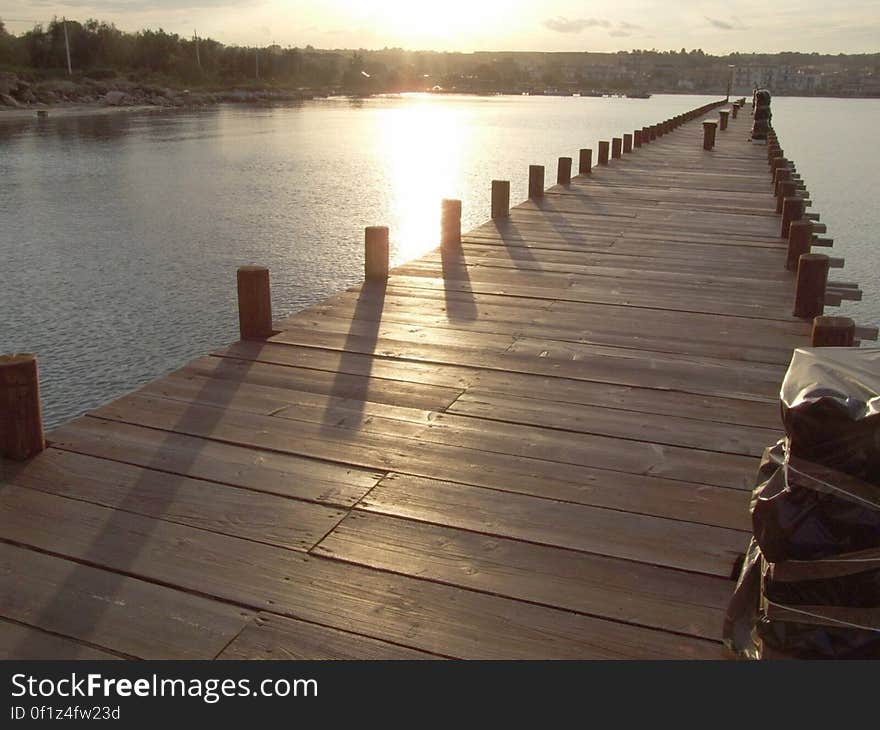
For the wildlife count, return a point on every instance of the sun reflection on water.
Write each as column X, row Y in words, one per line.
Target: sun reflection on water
column 424, row 144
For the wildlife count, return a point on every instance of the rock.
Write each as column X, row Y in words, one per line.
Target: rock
column 25, row 95
column 7, row 100
column 115, row 98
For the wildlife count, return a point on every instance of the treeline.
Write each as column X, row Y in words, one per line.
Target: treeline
column 99, row 50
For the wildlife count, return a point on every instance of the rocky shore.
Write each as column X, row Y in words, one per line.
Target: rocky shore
column 18, row 93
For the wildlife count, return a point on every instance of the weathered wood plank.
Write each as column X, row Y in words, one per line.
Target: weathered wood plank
column 247, row 513
column 470, row 464
column 115, row 612
column 621, row 590
column 413, row 613
column 179, row 454
column 654, row 540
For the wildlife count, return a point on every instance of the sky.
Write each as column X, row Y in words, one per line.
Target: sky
column 824, row 26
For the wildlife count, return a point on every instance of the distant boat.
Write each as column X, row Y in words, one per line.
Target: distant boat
column 638, row 95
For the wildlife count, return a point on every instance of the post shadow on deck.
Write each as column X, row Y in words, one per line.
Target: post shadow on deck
column 196, row 419
column 350, row 388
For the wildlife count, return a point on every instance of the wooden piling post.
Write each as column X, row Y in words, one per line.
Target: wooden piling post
column 780, row 174
column 536, row 182
column 785, row 189
column 254, row 303
column 734, row 110
column 792, row 210
column 652, row 131
column 709, row 135
column 723, row 117
column 603, row 153
column 21, row 420
column 833, row 332
column 501, row 198
column 646, row 135
column 616, row 147
column 376, row 253
column 450, row 223
column 800, row 236
column 812, row 278
column 627, row 143
column 637, row 138
column 585, row 161
column 563, row 171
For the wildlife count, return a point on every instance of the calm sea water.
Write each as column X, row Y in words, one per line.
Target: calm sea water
column 120, row 234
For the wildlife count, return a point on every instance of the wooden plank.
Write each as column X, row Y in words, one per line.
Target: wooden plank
column 41, row 645
column 549, row 387
column 245, row 513
column 668, row 429
column 277, row 637
column 413, row 613
column 178, row 454
column 621, row 590
column 111, row 611
column 545, row 441
column 653, row 540
column 641, row 492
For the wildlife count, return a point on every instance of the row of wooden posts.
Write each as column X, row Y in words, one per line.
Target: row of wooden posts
column 813, row 290
column 21, row 426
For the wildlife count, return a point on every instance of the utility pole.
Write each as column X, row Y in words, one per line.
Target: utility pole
column 257, row 61
column 196, row 39
column 67, row 47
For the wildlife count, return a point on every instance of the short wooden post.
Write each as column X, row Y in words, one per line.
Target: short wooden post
column 785, row 189
column 500, row 199
column 792, row 210
column 780, row 174
column 616, row 147
column 637, row 138
column 603, row 153
column 652, row 131
column 812, row 278
column 833, row 332
column 800, row 237
column 254, row 303
column 646, row 135
column 734, row 110
column 585, row 161
column 376, row 253
column 450, row 223
column 21, row 421
column 627, row 143
column 723, row 117
column 709, row 135
column 536, row 182
column 776, row 163
column 563, row 171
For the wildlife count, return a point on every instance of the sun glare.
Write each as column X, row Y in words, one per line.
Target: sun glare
column 424, row 147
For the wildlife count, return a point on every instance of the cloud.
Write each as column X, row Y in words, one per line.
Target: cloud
column 561, row 24
column 724, row 24
column 629, row 26
column 619, row 34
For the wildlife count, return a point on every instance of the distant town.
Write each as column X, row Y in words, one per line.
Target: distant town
column 98, row 52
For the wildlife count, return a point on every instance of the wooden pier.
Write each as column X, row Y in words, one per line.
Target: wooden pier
column 537, row 441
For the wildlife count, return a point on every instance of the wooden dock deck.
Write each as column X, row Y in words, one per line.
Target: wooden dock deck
column 540, row 446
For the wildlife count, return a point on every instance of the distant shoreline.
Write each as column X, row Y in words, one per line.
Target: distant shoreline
column 100, row 108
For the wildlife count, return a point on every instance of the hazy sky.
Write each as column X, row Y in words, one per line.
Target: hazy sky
column 826, row 26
